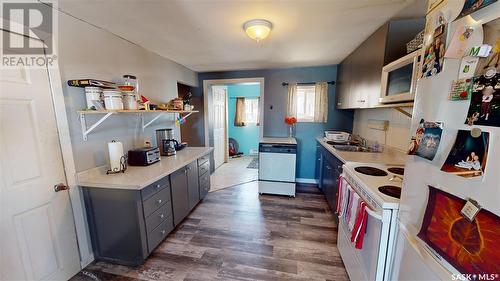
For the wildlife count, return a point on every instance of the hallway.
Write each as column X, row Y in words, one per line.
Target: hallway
column 234, row 172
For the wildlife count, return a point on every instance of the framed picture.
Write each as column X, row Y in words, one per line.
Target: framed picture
column 484, row 108
column 470, row 6
column 470, row 246
column 468, row 155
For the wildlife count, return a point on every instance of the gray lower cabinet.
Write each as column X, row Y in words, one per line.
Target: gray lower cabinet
column 193, row 184
column 204, row 176
column 127, row 225
column 180, row 195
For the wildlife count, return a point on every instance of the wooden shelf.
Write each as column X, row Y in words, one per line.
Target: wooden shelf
column 87, row 130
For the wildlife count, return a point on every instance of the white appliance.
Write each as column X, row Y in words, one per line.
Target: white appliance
column 277, row 162
column 414, row 260
column 399, row 79
column 379, row 186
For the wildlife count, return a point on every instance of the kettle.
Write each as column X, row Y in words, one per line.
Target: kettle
column 169, row 147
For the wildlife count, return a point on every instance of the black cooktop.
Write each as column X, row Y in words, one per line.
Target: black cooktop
column 371, row 171
column 391, row 190
column 396, row 170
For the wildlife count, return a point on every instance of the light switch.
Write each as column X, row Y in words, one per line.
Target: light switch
column 470, row 210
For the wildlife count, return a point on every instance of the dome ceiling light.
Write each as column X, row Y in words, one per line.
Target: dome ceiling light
column 258, row 29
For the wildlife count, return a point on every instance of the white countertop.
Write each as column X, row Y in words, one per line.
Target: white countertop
column 390, row 156
column 138, row 177
column 278, row 140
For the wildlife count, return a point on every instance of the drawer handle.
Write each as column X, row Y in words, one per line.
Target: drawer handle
column 162, row 216
column 158, row 186
column 159, row 201
column 163, row 232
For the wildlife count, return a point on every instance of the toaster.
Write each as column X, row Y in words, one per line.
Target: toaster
column 143, row 156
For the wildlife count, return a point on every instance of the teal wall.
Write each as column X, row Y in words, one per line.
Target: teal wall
column 275, row 96
column 246, row 136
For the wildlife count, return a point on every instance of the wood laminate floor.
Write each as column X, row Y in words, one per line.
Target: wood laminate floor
column 234, row 234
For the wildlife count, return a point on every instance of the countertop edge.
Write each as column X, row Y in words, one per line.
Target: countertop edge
column 195, row 155
column 395, row 154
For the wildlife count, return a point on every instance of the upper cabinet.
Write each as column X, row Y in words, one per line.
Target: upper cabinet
column 360, row 72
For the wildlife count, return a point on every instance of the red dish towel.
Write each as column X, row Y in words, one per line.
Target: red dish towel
column 358, row 232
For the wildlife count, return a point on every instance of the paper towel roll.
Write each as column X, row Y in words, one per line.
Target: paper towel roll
column 115, row 149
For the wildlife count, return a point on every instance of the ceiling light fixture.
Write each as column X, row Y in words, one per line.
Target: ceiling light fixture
column 258, row 29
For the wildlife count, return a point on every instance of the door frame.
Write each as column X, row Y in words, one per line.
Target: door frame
column 75, row 194
column 211, row 82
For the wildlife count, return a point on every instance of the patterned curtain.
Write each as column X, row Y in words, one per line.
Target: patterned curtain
column 239, row 118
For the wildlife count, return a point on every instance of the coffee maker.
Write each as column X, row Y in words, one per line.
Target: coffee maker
column 166, row 142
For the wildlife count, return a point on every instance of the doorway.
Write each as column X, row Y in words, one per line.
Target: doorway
column 234, row 118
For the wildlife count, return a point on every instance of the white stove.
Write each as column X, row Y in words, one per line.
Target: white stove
column 369, row 185
column 379, row 186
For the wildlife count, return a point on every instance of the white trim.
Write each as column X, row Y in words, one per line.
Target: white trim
column 75, row 195
column 305, row 180
column 210, row 82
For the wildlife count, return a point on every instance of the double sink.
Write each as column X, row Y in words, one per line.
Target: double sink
column 354, row 148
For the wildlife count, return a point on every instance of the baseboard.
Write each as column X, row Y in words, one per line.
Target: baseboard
column 87, row 261
column 304, row 180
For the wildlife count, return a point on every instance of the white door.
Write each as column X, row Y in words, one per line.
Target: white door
column 38, row 239
column 220, row 138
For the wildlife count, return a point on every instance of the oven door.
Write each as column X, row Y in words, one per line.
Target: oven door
column 365, row 263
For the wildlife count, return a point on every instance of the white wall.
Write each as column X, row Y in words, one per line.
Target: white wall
column 89, row 52
column 398, row 135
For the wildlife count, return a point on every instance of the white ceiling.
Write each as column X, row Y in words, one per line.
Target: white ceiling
column 207, row 35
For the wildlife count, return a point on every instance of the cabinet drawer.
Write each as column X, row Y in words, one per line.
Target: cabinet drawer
column 156, row 236
column 157, row 200
column 153, row 188
column 204, row 168
column 157, row 217
column 205, row 182
column 203, row 159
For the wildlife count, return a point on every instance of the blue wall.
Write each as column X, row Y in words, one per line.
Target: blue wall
column 275, row 96
column 248, row 135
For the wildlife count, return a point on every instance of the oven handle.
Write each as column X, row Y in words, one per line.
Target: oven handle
column 373, row 214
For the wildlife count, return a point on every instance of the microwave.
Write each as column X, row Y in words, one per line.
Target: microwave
column 399, row 79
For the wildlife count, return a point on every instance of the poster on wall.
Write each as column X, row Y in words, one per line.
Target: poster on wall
column 470, row 6
column 434, row 52
column 470, row 246
column 468, row 155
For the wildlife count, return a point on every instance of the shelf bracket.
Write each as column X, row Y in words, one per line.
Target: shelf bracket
column 187, row 115
column 402, row 111
column 144, row 126
column 83, row 123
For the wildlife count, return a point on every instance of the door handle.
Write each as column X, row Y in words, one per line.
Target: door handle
column 60, row 187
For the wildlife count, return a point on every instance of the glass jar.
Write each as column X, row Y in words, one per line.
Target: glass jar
column 130, row 83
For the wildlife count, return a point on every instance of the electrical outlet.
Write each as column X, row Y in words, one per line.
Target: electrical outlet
column 379, row 125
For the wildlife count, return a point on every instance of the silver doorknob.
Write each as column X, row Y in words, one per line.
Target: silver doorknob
column 60, row 187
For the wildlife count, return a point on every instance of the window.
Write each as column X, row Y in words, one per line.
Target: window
column 306, row 96
column 251, row 111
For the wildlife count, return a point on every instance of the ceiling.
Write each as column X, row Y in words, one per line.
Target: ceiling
column 207, row 35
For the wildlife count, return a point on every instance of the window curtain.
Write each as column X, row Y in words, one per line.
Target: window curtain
column 292, row 100
column 258, row 111
column 321, row 102
column 239, row 118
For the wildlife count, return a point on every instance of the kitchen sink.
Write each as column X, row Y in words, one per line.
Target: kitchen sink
column 353, row 148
